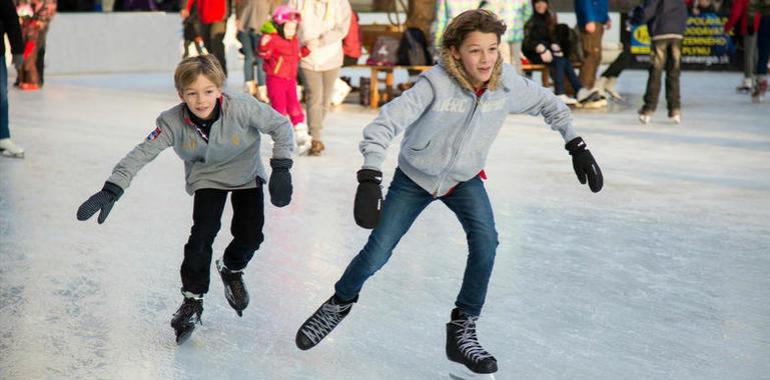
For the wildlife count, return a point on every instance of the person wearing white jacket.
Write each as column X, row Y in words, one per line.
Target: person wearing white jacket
column 324, row 24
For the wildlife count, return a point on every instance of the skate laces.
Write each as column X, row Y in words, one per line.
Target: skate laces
column 467, row 341
column 325, row 320
column 191, row 308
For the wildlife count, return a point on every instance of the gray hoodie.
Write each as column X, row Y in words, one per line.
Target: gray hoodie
column 449, row 130
column 229, row 161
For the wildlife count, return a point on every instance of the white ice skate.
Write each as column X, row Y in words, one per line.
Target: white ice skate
column 302, row 137
column 645, row 118
column 340, row 92
column 9, row 149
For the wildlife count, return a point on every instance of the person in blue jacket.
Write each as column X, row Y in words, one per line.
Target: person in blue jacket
column 450, row 118
column 592, row 19
column 666, row 22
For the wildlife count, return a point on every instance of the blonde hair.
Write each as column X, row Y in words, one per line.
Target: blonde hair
column 191, row 67
column 473, row 20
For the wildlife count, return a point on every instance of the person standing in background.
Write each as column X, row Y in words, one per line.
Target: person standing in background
column 34, row 18
column 749, row 25
column 763, row 46
column 666, row 22
column 10, row 27
column 213, row 20
column 515, row 14
column 325, row 23
column 250, row 15
column 592, row 18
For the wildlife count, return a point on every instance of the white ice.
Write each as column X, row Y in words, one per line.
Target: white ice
column 662, row 275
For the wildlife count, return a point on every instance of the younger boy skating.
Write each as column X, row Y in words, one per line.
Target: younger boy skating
column 218, row 136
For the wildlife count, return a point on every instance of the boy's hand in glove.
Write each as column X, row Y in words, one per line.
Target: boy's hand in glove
column 103, row 200
column 368, row 198
column 280, row 181
column 584, row 164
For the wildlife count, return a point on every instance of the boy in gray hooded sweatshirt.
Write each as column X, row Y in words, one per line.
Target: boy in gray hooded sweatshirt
column 218, row 136
column 450, row 118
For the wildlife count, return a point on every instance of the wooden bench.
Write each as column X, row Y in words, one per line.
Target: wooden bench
column 374, row 85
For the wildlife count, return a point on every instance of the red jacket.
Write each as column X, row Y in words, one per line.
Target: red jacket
column 351, row 44
column 281, row 55
column 209, row 11
column 739, row 12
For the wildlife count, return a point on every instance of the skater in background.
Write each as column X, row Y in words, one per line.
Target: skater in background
column 465, row 99
column 746, row 25
column 212, row 15
column 9, row 27
column 547, row 43
column 218, row 136
column 250, row 15
column 763, row 46
column 324, row 24
column 191, row 31
column 281, row 52
column 515, row 14
column 592, row 19
column 35, row 17
column 666, row 22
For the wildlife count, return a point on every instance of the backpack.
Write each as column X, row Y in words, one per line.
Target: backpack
column 384, row 52
column 412, row 50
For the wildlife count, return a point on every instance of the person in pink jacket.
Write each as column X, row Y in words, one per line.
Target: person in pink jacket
column 281, row 52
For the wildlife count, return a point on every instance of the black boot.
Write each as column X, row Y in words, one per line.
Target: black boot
column 183, row 321
column 322, row 322
column 462, row 345
column 235, row 289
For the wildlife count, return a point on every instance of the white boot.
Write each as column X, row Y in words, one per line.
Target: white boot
column 9, row 149
column 302, row 138
column 261, row 94
column 567, row 100
column 250, row 87
column 340, row 92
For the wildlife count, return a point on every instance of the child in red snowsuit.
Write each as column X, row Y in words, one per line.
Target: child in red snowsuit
column 280, row 49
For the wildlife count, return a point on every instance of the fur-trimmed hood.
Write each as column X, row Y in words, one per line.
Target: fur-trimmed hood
column 457, row 71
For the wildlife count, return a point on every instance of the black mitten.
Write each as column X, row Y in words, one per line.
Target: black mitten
column 280, row 182
column 368, row 198
column 103, row 200
column 584, row 164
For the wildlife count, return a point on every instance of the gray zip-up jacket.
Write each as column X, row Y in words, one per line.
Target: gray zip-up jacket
column 448, row 129
column 231, row 158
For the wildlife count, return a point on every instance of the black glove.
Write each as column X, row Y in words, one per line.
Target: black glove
column 103, row 200
column 368, row 198
column 280, row 181
column 584, row 164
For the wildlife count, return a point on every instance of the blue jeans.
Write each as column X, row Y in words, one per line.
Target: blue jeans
column 4, row 131
column 559, row 67
column 404, row 202
column 250, row 42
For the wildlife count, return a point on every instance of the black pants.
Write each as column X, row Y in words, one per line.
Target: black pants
column 213, row 39
column 246, row 227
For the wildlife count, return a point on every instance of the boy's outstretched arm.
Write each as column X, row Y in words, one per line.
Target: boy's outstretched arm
column 393, row 118
column 158, row 140
column 533, row 99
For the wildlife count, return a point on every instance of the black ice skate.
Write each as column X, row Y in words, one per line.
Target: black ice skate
column 322, row 322
column 462, row 346
column 183, row 321
column 235, row 289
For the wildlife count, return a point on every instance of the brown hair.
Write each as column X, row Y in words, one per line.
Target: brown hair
column 473, row 20
column 190, row 68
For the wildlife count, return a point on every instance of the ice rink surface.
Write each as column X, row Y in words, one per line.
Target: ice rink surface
column 662, row 275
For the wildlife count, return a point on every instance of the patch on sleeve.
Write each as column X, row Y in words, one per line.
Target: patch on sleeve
column 154, row 134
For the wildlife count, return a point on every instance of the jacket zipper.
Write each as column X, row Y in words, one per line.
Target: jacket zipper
column 456, row 153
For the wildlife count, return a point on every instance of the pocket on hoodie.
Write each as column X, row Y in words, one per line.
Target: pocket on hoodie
column 427, row 158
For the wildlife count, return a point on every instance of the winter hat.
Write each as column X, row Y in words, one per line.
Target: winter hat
column 285, row 13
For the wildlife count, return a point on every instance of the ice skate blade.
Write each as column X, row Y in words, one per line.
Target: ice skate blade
column 5, row 153
column 461, row 372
